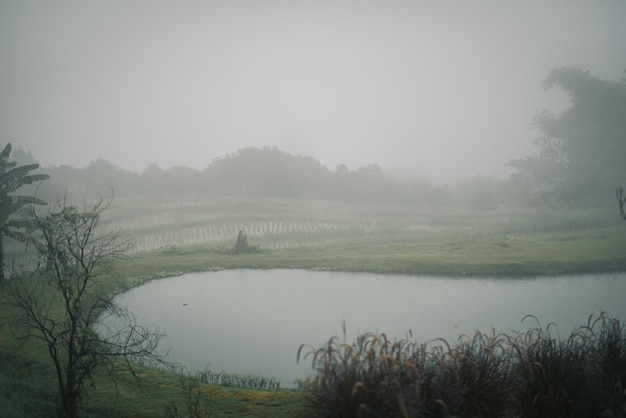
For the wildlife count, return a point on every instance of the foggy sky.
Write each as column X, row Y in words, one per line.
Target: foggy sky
column 444, row 89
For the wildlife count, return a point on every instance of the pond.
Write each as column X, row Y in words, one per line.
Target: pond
column 254, row 321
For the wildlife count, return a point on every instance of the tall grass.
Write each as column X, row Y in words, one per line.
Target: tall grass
column 244, row 381
column 196, row 404
column 22, row 396
column 528, row 374
column 369, row 377
column 555, row 378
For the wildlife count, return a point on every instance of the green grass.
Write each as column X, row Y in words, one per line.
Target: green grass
column 551, row 254
column 27, row 390
column 195, row 235
column 379, row 238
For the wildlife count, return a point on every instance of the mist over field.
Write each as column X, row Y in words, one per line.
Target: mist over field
column 440, row 90
column 365, row 202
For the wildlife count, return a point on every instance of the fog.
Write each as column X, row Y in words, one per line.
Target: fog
column 440, row 89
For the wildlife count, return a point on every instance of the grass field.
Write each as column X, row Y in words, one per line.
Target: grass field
column 174, row 237
column 195, row 235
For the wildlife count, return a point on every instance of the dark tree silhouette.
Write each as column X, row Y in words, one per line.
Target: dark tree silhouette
column 580, row 151
column 62, row 303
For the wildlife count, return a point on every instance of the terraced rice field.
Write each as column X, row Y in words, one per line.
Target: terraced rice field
column 283, row 224
column 270, row 224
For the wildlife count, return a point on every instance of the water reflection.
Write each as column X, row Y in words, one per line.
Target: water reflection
column 253, row 321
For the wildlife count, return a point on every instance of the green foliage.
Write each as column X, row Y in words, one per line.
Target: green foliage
column 581, row 152
column 250, row 172
column 21, row 396
column 15, row 222
column 196, row 402
column 528, row 374
column 267, row 172
column 245, row 381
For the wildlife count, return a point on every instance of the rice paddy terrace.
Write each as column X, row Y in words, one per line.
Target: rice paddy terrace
column 386, row 238
column 281, row 223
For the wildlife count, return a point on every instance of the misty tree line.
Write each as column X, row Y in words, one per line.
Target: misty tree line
column 579, row 155
column 257, row 172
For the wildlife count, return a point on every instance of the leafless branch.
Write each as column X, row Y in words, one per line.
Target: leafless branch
column 61, row 304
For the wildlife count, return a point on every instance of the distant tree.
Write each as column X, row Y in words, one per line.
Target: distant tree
column 267, row 172
column 582, row 150
column 176, row 181
column 61, row 303
column 341, row 169
column 101, row 176
column 367, row 183
column 15, row 222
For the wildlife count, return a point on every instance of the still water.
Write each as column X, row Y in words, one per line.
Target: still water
column 253, row 321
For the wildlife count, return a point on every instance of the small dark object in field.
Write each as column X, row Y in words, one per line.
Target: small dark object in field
column 242, row 246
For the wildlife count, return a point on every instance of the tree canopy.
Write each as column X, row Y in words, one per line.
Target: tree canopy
column 581, row 152
column 263, row 172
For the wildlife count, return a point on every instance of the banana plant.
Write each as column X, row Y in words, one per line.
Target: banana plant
column 15, row 221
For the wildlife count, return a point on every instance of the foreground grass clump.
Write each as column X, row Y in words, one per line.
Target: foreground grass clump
column 245, row 381
column 528, row 374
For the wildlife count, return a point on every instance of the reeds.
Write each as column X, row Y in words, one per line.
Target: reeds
column 370, row 377
column 244, row 381
column 196, row 404
column 553, row 377
column 529, row 374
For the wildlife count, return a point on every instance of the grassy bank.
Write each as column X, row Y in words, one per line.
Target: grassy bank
column 28, row 388
column 196, row 234
column 186, row 236
column 549, row 255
